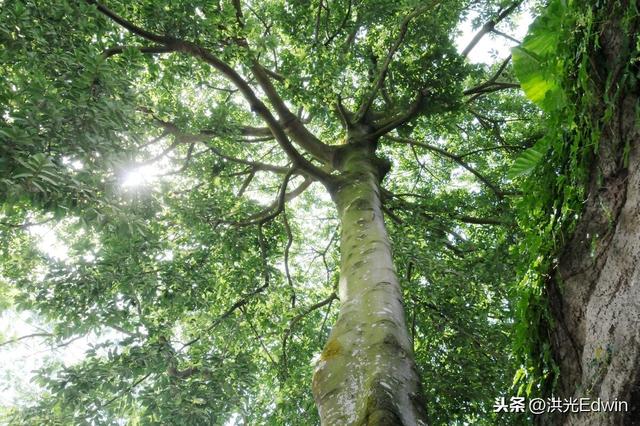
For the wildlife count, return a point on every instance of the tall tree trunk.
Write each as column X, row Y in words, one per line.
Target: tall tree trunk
column 595, row 292
column 366, row 374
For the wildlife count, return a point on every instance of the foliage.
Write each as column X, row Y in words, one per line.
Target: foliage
column 556, row 67
column 204, row 309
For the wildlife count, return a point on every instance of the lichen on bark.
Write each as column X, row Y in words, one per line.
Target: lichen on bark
column 366, row 374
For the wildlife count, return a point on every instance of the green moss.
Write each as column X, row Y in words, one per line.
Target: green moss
column 562, row 57
column 331, row 350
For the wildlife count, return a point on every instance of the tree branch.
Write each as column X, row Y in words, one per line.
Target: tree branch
column 246, row 183
column 125, row 392
column 491, row 85
column 400, row 119
column 204, row 136
column 498, row 86
column 185, row 164
column 492, row 148
column 255, row 165
column 316, row 31
column 291, row 124
column 226, row 314
column 505, row 35
column 456, row 158
column 28, row 336
column 343, row 114
column 347, row 15
column 258, row 336
column 296, row 319
column 287, row 248
column 429, row 216
column 143, row 49
column 26, row 224
column 382, row 73
column 489, row 26
column 256, row 105
column 275, row 208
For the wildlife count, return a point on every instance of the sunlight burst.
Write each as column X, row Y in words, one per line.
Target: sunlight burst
column 140, row 176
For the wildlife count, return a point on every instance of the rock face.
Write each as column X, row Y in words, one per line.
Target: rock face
column 595, row 290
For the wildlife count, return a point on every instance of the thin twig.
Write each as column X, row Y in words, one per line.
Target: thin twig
column 489, row 26
column 258, row 336
column 456, row 158
column 296, row 319
column 287, row 248
column 237, row 305
column 382, row 72
column 28, row 336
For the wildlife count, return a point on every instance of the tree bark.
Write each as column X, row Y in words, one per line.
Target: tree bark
column 366, row 374
column 595, row 291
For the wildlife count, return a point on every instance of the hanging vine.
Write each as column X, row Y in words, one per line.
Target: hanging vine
column 558, row 71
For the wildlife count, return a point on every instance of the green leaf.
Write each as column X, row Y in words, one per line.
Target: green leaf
column 529, row 70
column 22, row 175
column 528, row 160
column 536, row 62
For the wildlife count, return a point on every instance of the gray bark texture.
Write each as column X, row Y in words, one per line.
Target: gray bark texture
column 595, row 291
column 366, row 375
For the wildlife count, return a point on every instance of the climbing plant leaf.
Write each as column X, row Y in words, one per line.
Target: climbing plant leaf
column 535, row 61
column 529, row 159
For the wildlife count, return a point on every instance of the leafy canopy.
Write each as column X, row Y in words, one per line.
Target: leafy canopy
column 211, row 286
